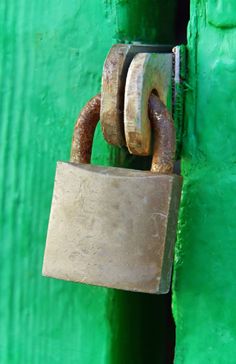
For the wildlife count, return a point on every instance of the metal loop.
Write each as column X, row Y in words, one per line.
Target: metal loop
column 84, row 129
column 161, row 123
column 146, row 73
column 164, row 136
column 114, row 80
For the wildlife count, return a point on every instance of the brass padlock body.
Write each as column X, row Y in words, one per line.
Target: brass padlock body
column 112, row 227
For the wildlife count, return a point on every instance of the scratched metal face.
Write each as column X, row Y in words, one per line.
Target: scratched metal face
column 113, row 86
column 112, row 227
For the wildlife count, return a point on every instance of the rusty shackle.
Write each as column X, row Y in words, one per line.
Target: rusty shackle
column 164, row 136
column 84, row 129
column 161, row 123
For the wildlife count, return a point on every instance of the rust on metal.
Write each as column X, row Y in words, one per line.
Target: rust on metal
column 115, row 227
column 84, row 131
column 114, row 76
column 161, row 124
column 146, row 73
column 164, row 136
column 112, row 100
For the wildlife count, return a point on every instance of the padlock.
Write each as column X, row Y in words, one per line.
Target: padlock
column 115, row 227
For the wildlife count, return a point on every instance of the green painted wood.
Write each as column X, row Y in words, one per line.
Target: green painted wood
column 52, row 54
column 48, row 71
column 148, row 21
column 204, row 287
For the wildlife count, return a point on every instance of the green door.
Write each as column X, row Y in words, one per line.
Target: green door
column 52, row 54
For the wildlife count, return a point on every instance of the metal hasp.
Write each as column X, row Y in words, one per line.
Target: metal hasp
column 114, row 75
column 115, row 227
column 148, row 73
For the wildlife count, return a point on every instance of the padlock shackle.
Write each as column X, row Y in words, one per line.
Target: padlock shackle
column 84, row 129
column 162, row 126
column 164, row 136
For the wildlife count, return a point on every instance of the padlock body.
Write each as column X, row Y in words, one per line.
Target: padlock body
column 112, row 227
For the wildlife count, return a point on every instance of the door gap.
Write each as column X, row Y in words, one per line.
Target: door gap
column 181, row 21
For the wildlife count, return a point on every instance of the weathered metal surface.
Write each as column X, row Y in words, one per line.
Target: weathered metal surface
column 147, row 73
column 112, row 227
column 164, row 136
column 116, row 227
column 113, row 87
column 84, row 131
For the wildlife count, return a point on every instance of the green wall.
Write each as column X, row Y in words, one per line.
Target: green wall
column 52, row 53
column 204, row 286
